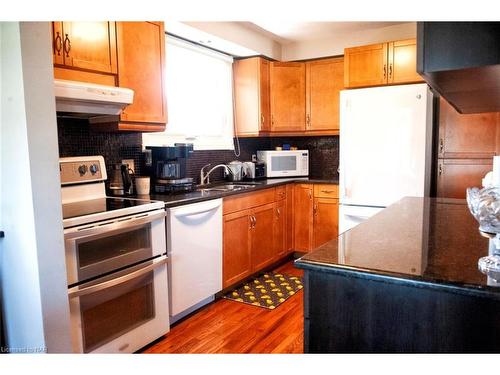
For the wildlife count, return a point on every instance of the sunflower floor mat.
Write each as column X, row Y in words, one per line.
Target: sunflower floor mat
column 269, row 290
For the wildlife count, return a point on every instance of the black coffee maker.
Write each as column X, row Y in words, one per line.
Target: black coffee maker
column 169, row 168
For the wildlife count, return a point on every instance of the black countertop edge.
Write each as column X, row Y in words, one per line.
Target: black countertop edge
column 175, row 200
column 403, row 279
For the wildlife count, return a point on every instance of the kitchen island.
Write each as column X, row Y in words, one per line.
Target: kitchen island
column 406, row 280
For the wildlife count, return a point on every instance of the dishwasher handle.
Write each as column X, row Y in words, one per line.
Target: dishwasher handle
column 200, row 209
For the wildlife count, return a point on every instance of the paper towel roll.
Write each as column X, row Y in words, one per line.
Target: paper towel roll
column 496, row 170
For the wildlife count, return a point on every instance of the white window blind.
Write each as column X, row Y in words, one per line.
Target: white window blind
column 199, row 98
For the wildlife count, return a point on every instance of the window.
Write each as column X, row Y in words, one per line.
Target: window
column 199, row 98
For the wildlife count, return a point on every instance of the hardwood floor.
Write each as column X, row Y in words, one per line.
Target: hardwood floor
column 233, row 327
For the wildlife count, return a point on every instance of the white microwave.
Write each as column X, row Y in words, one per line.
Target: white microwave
column 285, row 163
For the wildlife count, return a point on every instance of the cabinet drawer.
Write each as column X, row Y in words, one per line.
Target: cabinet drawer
column 326, row 191
column 280, row 193
column 247, row 200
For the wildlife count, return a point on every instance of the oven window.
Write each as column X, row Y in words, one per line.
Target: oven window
column 110, row 313
column 111, row 251
column 283, row 163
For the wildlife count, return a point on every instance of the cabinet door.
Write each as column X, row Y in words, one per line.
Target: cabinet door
column 89, row 46
column 265, row 95
column 280, row 237
column 237, row 262
column 303, row 216
column 141, row 61
column 403, row 62
column 456, row 175
column 366, row 65
column 326, row 220
column 467, row 136
column 262, row 237
column 57, row 43
column 251, row 96
column 288, row 97
column 289, row 218
column 324, row 80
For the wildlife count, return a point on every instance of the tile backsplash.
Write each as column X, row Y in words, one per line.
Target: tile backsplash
column 76, row 139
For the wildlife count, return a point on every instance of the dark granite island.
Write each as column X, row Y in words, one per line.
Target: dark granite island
column 404, row 281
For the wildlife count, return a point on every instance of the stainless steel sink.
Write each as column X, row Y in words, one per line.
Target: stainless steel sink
column 228, row 187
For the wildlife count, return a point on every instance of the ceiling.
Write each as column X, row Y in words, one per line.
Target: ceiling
column 290, row 32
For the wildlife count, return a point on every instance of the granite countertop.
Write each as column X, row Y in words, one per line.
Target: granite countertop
column 423, row 241
column 173, row 200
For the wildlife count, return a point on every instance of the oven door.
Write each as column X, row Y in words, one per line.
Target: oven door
column 122, row 312
column 103, row 247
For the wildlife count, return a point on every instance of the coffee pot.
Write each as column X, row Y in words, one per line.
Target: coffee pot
column 121, row 180
column 237, row 170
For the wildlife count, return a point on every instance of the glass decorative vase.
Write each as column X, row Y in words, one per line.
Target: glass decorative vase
column 484, row 205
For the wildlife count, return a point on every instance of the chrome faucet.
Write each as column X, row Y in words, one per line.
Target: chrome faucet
column 205, row 177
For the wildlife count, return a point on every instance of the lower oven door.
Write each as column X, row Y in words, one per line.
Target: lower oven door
column 122, row 312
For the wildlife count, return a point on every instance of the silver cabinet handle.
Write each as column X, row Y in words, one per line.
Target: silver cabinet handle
column 79, row 291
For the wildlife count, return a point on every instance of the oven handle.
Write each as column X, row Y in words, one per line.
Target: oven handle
column 115, row 225
column 77, row 291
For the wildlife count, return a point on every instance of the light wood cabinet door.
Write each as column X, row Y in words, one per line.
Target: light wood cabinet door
column 467, row 136
column 251, row 96
column 326, row 220
column 403, row 62
column 262, row 235
column 303, row 217
column 288, row 97
column 289, row 218
column 280, row 227
column 365, row 66
column 237, row 263
column 456, row 175
column 86, row 45
column 324, row 80
column 141, row 61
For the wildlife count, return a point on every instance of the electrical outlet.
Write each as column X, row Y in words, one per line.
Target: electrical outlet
column 131, row 164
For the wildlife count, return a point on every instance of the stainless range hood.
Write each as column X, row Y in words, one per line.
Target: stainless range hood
column 88, row 100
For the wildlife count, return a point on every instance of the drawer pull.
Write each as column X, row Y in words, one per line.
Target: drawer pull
column 327, row 191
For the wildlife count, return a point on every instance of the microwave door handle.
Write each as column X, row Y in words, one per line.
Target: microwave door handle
column 80, row 291
column 115, row 225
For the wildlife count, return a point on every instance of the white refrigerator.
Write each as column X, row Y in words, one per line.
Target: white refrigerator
column 385, row 149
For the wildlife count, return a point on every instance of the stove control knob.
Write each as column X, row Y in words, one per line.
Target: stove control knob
column 82, row 169
column 94, row 168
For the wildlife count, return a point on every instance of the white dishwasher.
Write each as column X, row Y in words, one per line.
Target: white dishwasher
column 194, row 246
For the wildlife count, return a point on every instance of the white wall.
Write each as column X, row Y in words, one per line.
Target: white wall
column 333, row 46
column 237, row 33
column 32, row 274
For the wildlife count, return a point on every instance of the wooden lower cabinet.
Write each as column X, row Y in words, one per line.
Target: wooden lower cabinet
column 303, row 216
column 262, row 234
column 326, row 220
column 237, row 262
column 290, row 235
column 456, row 175
column 280, row 228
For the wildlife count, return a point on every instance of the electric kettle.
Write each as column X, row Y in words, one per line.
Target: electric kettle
column 237, row 170
column 121, row 180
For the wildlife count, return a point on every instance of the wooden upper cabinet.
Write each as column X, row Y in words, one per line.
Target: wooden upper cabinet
column 141, row 62
column 380, row 64
column 251, row 96
column 288, row 91
column 403, row 62
column 366, row 65
column 303, row 217
column 85, row 45
column 467, row 136
column 324, row 80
